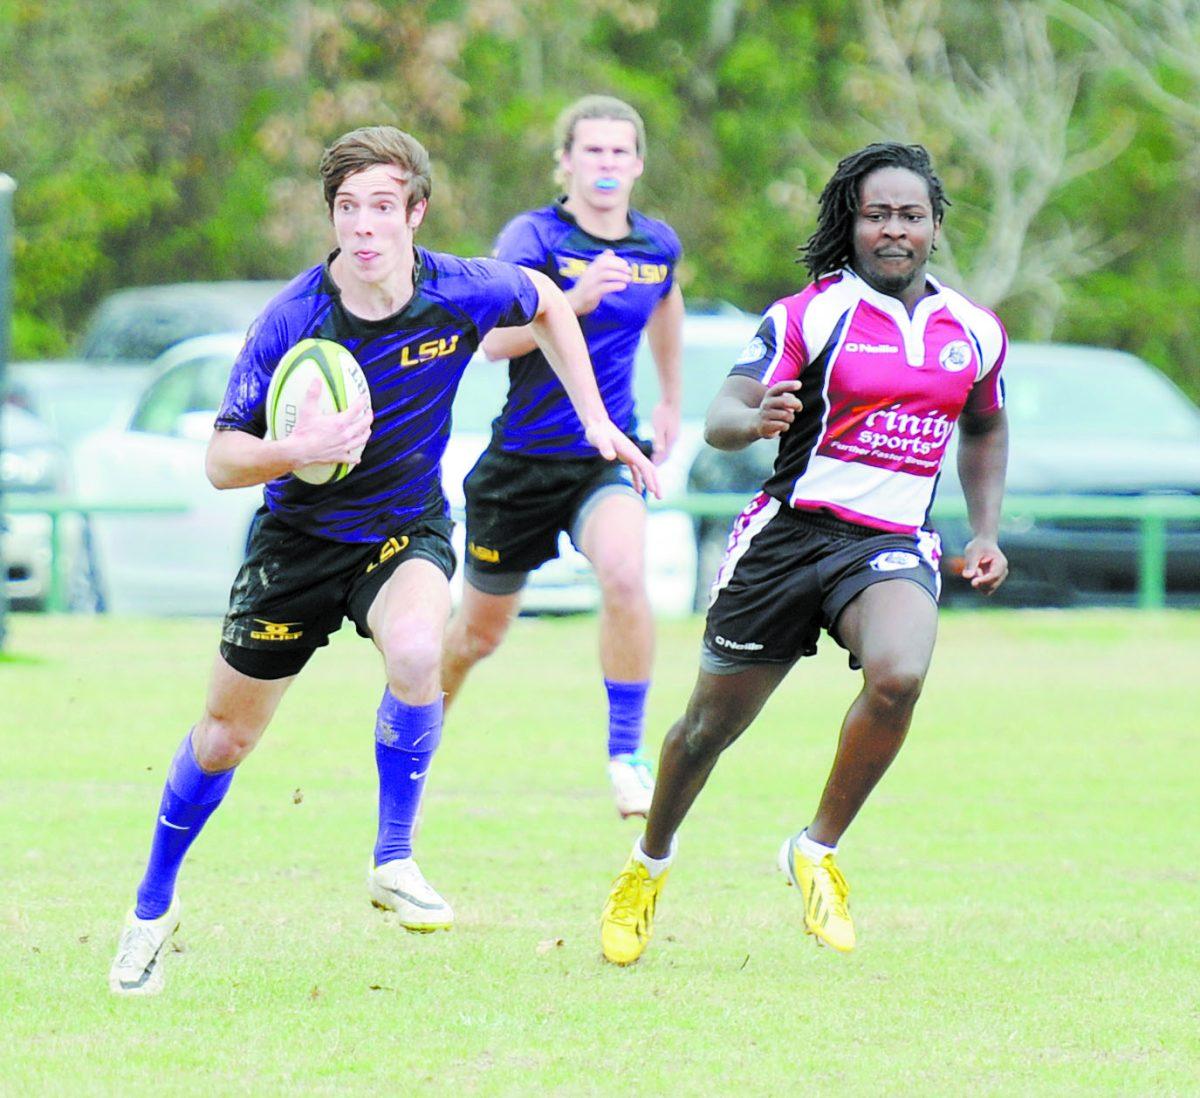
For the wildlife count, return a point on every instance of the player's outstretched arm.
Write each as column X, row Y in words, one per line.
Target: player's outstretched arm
column 236, row 459
column 982, row 461
column 558, row 335
column 745, row 410
column 664, row 333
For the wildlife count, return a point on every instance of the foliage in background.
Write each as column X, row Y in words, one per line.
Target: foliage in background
column 158, row 143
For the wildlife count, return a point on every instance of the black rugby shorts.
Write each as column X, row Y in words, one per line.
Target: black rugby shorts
column 517, row 506
column 789, row 574
column 294, row 590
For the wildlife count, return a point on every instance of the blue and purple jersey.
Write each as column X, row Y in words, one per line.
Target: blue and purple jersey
column 412, row 360
column 538, row 419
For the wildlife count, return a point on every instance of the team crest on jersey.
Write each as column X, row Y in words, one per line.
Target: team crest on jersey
column 894, row 560
column 955, row 356
column 429, row 350
column 755, row 350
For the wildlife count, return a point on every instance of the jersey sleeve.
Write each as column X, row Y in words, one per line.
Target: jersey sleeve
column 505, row 296
column 519, row 242
column 777, row 351
column 244, row 406
column 672, row 252
column 987, row 394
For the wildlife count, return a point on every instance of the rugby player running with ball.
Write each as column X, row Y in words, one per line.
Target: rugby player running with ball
column 373, row 547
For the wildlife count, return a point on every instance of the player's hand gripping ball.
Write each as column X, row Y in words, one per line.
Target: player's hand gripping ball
column 342, row 383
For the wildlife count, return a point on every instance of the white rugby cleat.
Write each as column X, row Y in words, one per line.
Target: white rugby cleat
column 138, row 966
column 399, row 886
column 633, row 784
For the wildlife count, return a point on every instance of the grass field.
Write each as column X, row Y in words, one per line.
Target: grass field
column 1026, row 881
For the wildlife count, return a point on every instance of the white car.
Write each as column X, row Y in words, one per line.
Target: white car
column 33, row 467
column 167, row 563
column 185, row 562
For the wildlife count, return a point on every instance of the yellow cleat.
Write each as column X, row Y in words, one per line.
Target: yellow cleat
column 825, row 894
column 627, row 922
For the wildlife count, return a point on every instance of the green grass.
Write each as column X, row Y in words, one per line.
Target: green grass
column 1025, row 880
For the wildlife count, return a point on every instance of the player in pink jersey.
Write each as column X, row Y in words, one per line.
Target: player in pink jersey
column 862, row 377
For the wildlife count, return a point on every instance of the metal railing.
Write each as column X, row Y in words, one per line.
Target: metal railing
column 56, row 507
column 1151, row 513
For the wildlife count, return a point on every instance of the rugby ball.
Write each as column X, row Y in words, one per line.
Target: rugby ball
column 342, row 383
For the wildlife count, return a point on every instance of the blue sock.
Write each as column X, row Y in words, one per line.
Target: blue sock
column 406, row 737
column 189, row 797
column 626, row 716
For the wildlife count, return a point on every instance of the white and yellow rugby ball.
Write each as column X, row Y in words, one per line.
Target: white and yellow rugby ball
column 342, row 383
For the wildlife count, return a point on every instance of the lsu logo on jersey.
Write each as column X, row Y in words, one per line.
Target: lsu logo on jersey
column 649, row 274
column 277, row 630
column 388, row 550
column 955, row 356
column 482, row 552
column 428, row 350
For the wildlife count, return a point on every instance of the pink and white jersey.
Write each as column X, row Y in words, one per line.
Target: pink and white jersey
column 881, row 391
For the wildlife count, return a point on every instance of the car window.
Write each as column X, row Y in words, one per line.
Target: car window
column 1100, row 398
column 165, row 401
column 212, row 378
column 195, row 385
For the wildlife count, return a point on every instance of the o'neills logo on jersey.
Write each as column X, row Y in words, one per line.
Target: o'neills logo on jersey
column 427, row 351
column 651, row 274
column 738, row 646
column 873, row 348
column 896, row 432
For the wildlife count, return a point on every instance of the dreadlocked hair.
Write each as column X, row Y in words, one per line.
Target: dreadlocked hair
column 832, row 245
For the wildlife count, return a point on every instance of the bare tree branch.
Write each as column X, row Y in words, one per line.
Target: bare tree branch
column 1142, row 39
column 1010, row 121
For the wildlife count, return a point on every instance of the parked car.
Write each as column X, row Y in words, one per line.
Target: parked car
column 1086, row 421
column 1083, row 421
column 139, row 323
column 72, row 397
column 167, row 563
column 33, row 464
column 121, row 341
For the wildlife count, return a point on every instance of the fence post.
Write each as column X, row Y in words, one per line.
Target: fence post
column 1152, row 563
column 7, row 186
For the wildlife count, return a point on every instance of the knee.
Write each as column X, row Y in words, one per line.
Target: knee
column 702, row 735
column 622, row 584
column 221, row 741
column 412, row 653
column 471, row 641
column 895, row 686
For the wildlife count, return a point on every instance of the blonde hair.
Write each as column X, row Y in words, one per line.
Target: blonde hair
column 363, row 148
